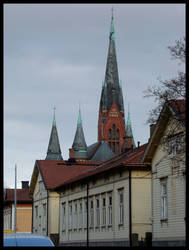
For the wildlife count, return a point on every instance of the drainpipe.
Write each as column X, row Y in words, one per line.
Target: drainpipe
column 130, row 210
column 87, row 214
column 47, row 212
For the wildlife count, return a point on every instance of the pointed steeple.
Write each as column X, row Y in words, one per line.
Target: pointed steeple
column 79, row 145
column 128, row 131
column 113, row 93
column 53, row 151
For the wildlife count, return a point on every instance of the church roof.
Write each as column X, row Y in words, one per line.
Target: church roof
column 79, row 145
column 103, row 152
column 111, row 89
column 53, row 151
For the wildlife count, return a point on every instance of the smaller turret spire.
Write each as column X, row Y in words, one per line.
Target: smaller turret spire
column 79, row 145
column 53, row 151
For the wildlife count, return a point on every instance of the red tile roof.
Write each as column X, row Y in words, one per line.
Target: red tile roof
column 131, row 158
column 22, row 195
column 55, row 173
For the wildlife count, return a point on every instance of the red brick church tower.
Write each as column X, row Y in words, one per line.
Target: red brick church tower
column 111, row 121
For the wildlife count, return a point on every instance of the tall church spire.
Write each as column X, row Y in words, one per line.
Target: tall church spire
column 79, row 145
column 53, row 151
column 111, row 122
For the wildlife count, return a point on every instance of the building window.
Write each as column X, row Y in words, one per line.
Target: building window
column 110, row 134
column 104, row 211
column 85, row 215
column 63, row 216
column 70, row 217
column 174, row 145
column 110, row 144
column 113, row 148
column 163, row 200
column 110, row 209
column 44, row 216
column 106, row 178
column 75, row 217
column 80, row 215
column 121, row 209
column 97, row 213
column 117, row 148
column 91, row 214
column 114, row 128
column 117, row 134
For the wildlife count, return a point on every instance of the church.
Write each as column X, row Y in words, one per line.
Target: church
column 93, row 198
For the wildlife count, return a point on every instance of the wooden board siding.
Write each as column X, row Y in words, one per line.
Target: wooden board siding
column 174, row 228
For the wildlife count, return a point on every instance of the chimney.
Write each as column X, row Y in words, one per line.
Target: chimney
column 138, row 144
column 71, row 153
column 152, row 127
column 25, row 184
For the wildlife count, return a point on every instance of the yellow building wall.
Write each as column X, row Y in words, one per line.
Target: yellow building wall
column 141, row 202
column 24, row 217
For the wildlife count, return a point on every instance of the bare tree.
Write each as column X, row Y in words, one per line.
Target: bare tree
column 168, row 93
column 168, row 89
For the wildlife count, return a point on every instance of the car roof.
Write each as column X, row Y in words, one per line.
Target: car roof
column 26, row 239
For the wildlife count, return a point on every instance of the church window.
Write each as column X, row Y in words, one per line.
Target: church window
column 117, row 148
column 113, row 149
column 114, row 131
column 110, row 134
column 117, row 134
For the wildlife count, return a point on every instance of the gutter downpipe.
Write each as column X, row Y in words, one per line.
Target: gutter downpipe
column 130, row 210
column 87, row 214
column 47, row 212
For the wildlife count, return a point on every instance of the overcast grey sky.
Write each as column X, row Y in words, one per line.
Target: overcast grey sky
column 55, row 55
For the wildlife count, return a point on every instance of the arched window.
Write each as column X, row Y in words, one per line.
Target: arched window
column 110, row 134
column 117, row 148
column 117, row 134
column 113, row 149
column 113, row 131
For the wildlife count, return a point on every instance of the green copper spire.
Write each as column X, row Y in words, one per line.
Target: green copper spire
column 53, row 151
column 112, row 36
column 79, row 145
column 129, row 132
column 113, row 92
column 79, row 121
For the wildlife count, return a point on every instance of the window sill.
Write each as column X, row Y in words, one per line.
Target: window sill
column 164, row 220
column 103, row 226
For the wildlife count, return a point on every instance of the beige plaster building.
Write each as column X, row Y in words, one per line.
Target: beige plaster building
column 166, row 154
column 107, row 205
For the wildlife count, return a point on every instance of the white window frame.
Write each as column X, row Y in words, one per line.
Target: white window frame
column 80, row 214
column 91, row 224
column 75, row 216
column 70, row 216
column 121, row 207
column 85, row 213
column 103, row 211
column 164, row 200
column 63, row 216
column 97, row 212
column 110, row 209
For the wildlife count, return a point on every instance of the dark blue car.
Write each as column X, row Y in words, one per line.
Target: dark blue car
column 26, row 239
